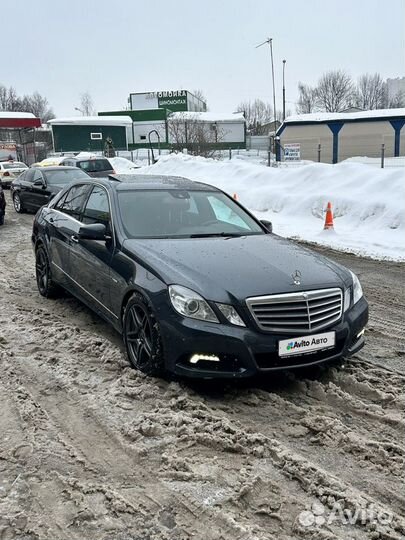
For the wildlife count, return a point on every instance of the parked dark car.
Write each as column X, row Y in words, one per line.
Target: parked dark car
column 96, row 167
column 38, row 185
column 2, row 205
column 195, row 283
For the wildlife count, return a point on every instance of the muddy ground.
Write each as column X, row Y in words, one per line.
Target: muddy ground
column 91, row 449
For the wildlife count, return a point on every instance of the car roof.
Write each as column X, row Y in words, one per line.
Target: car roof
column 124, row 182
column 74, row 158
column 54, row 168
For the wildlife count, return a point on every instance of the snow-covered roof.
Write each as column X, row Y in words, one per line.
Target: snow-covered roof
column 93, row 120
column 12, row 114
column 208, row 116
column 325, row 117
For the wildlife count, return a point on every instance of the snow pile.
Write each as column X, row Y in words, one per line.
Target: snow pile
column 368, row 203
column 122, row 165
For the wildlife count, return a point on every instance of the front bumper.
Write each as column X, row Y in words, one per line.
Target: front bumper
column 244, row 352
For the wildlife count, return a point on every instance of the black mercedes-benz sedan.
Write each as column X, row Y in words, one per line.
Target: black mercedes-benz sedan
column 194, row 282
column 38, row 185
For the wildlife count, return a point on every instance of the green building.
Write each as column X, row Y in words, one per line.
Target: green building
column 81, row 133
column 151, row 113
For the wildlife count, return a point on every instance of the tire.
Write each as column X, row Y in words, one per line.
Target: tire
column 18, row 206
column 142, row 337
column 46, row 286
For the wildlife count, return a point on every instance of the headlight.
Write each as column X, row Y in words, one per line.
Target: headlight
column 190, row 304
column 357, row 290
column 230, row 314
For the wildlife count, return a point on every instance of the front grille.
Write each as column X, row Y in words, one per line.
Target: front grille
column 295, row 313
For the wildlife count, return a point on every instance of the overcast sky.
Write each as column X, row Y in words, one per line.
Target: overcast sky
column 111, row 48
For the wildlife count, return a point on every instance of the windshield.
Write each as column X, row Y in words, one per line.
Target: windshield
column 61, row 176
column 179, row 214
column 15, row 165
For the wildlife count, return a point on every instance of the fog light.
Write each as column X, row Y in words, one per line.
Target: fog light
column 360, row 333
column 208, row 357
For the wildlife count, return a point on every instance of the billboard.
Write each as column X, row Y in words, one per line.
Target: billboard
column 175, row 100
column 8, row 151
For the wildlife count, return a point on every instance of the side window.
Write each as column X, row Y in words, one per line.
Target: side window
column 72, row 204
column 29, row 175
column 97, row 208
column 37, row 176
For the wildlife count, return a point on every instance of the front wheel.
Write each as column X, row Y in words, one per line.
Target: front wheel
column 45, row 284
column 142, row 336
column 18, row 207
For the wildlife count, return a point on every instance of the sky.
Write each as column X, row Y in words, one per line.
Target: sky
column 64, row 48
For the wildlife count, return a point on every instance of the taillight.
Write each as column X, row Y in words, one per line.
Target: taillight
column 6, row 173
column 113, row 171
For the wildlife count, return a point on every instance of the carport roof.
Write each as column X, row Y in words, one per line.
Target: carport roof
column 18, row 120
column 313, row 118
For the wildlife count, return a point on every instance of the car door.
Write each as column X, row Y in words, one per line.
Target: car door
column 62, row 224
column 91, row 259
column 39, row 190
column 24, row 186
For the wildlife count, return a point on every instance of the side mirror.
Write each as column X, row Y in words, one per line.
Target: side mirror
column 40, row 183
column 94, row 231
column 267, row 224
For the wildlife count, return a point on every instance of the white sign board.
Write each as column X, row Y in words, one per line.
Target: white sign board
column 96, row 136
column 292, row 152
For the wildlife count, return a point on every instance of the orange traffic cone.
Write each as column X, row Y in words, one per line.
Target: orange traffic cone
column 235, row 196
column 328, row 218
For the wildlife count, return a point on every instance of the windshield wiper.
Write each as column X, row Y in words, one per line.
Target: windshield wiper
column 223, row 234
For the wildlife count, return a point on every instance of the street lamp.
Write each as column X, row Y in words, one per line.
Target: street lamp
column 270, row 43
column 284, row 61
column 80, row 110
column 151, row 146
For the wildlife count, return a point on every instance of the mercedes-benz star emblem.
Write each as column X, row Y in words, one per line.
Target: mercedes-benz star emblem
column 296, row 277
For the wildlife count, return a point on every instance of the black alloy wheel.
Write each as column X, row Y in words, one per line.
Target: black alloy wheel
column 45, row 284
column 18, row 207
column 142, row 337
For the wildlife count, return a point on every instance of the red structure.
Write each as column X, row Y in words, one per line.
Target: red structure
column 19, row 122
column 19, row 128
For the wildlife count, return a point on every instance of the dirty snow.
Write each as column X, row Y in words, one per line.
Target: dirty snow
column 368, row 203
column 91, row 449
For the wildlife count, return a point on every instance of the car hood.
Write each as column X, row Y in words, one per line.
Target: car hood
column 224, row 269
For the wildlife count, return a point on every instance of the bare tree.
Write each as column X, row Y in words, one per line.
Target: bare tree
column 335, row 91
column 370, row 92
column 307, row 100
column 198, row 93
column 9, row 100
column 397, row 101
column 86, row 104
column 198, row 137
column 38, row 105
column 257, row 114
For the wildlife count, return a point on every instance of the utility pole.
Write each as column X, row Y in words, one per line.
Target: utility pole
column 284, row 61
column 270, row 43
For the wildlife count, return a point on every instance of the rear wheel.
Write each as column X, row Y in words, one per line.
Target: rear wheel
column 46, row 286
column 18, row 206
column 142, row 336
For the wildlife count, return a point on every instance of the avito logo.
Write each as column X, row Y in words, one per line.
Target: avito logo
column 298, row 344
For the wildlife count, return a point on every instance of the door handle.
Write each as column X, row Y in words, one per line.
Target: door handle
column 74, row 238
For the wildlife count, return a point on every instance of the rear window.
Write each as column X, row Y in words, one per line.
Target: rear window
column 95, row 165
column 15, row 165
